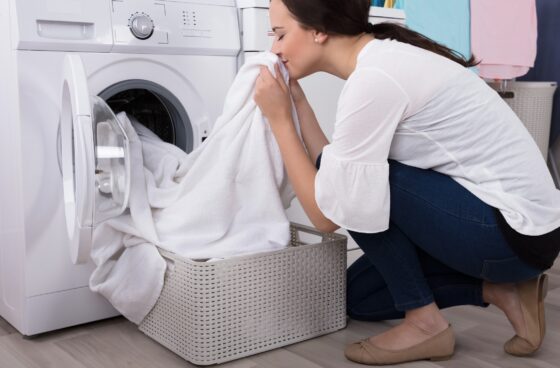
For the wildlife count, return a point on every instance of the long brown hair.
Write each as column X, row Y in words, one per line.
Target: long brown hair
column 350, row 18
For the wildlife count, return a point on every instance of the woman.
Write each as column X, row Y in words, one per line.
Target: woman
column 430, row 171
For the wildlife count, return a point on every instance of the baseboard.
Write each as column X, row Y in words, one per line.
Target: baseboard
column 62, row 309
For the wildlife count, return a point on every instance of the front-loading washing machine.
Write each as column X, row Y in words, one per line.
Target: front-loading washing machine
column 167, row 63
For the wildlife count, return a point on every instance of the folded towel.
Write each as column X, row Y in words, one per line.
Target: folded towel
column 226, row 198
column 389, row 3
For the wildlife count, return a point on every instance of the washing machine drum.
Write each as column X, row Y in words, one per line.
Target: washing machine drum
column 95, row 152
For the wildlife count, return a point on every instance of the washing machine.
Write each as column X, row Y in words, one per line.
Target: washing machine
column 322, row 89
column 67, row 66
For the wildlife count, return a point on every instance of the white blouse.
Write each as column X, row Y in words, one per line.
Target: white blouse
column 424, row 110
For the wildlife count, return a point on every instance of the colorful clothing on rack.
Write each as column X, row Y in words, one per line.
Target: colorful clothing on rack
column 504, row 37
column 446, row 22
column 399, row 4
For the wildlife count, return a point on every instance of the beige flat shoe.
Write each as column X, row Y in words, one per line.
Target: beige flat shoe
column 438, row 347
column 531, row 295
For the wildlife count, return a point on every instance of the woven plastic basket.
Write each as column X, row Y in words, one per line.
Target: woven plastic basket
column 213, row 312
column 532, row 102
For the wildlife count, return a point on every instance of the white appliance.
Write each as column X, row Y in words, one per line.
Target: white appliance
column 168, row 63
column 321, row 89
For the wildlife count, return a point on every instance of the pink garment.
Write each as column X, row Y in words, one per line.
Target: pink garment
column 504, row 37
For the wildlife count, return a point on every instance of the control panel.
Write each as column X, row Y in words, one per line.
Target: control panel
column 175, row 27
column 198, row 27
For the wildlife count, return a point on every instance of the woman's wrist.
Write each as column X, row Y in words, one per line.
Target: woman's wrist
column 282, row 126
column 300, row 102
column 303, row 109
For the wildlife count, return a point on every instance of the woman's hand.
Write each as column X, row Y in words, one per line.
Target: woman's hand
column 272, row 95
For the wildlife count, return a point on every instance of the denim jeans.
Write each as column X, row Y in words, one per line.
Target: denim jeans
column 442, row 242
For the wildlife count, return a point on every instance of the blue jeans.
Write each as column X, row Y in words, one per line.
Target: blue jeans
column 442, row 242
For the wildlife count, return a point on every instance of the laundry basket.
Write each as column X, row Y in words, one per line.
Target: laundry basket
column 532, row 102
column 213, row 312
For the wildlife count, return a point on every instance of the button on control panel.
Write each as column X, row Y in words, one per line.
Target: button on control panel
column 141, row 25
column 194, row 25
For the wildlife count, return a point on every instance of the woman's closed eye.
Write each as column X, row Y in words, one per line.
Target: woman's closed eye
column 278, row 37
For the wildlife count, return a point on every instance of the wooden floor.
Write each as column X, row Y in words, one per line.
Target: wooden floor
column 480, row 334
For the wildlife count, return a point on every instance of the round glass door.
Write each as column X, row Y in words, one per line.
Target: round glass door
column 112, row 164
column 95, row 160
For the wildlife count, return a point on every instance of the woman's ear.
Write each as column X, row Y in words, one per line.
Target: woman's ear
column 320, row 37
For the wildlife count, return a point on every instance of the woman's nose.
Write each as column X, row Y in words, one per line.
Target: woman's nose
column 275, row 49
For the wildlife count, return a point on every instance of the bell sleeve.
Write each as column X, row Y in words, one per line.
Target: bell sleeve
column 352, row 183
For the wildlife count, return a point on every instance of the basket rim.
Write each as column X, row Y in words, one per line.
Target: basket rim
column 527, row 84
column 308, row 229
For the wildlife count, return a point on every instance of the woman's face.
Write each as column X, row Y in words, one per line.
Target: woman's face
column 293, row 44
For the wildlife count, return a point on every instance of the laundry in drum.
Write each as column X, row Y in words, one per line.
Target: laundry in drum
column 207, row 204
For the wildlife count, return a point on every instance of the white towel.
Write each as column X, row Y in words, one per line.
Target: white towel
column 226, row 198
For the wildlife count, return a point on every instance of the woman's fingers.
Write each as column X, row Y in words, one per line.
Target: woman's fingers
column 268, row 75
column 280, row 78
column 272, row 94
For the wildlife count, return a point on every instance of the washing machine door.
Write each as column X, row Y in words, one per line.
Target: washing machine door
column 95, row 160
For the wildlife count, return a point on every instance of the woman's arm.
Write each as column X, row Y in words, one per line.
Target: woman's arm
column 312, row 134
column 272, row 96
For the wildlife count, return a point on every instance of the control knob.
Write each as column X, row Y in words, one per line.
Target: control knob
column 141, row 26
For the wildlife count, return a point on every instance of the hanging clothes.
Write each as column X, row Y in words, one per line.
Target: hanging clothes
column 399, row 4
column 389, row 3
column 547, row 63
column 446, row 22
column 379, row 3
column 504, row 37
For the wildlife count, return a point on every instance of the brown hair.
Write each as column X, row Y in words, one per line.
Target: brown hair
column 350, row 18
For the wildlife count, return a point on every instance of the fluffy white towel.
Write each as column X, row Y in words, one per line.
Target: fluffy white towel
column 224, row 199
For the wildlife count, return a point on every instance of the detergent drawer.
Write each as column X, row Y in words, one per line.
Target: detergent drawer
column 213, row 312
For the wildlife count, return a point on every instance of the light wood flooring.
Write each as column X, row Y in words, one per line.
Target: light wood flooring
column 116, row 342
